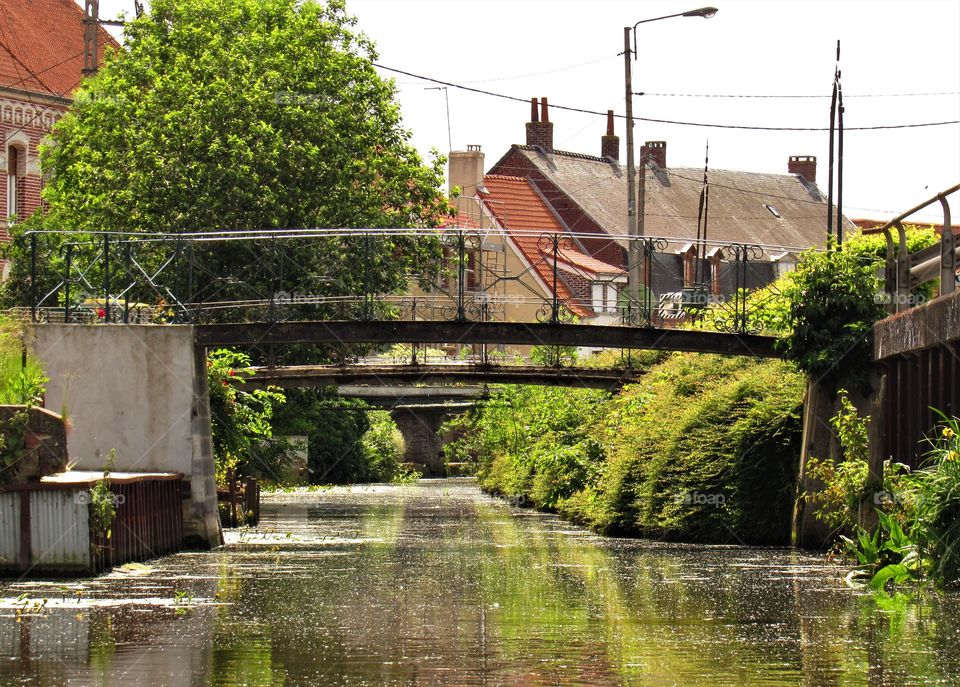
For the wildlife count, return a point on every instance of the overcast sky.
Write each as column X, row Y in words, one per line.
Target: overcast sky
column 900, row 64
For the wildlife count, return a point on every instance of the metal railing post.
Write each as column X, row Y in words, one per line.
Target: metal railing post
column 106, row 278
column 948, row 256
column 66, row 283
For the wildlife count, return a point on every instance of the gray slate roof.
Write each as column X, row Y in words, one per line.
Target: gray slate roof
column 736, row 208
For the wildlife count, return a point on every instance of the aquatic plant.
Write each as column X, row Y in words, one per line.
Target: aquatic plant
column 917, row 537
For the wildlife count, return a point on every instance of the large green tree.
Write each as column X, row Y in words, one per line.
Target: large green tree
column 246, row 115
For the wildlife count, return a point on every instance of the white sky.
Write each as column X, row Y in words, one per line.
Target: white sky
column 568, row 50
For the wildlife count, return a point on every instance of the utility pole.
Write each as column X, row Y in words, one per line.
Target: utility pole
column 91, row 21
column 91, row 26
column 635, row 228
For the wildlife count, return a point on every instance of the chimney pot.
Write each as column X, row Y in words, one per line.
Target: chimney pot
column 610, row 144
column 540, row 128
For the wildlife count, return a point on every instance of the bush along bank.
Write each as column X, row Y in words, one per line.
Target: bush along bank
column 901, row 529
column 704, row 448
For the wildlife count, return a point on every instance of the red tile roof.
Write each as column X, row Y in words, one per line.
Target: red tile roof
column 575, row 258
column 524, row 217
column 458, row 222
column 41, row 45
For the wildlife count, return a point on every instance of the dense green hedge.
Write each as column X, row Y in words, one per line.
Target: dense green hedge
column 704, row 448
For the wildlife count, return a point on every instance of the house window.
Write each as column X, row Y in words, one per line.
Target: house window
column 603, row 297
column 597, row 296
column 473, row 271
column 772, row 209
column 13, row 163
column 612, row 296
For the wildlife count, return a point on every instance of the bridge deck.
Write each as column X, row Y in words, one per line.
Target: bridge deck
column 382, row 375
column 516, row 333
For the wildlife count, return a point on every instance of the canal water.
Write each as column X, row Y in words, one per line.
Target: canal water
column 435, row 583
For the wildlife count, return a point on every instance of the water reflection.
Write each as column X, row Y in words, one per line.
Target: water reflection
column 435, row 583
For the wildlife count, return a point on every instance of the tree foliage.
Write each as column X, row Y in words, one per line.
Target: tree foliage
column 833, row 303
column 246, row 115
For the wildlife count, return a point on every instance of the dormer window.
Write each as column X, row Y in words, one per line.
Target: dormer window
column 774, row 211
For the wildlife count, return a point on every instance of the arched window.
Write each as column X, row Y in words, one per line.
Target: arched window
column 13, row 165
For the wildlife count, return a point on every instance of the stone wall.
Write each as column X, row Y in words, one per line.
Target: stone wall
column 44, row 443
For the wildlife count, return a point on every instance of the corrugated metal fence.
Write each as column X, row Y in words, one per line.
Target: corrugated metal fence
column 48, row 528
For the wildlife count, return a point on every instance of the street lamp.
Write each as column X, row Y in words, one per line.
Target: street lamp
column 632, row 224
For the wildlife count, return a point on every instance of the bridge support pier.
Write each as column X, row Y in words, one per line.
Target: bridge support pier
column 419, row 428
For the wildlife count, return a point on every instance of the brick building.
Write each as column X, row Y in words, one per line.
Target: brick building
column 784, row 213
column 41, row 65
column 517, row 270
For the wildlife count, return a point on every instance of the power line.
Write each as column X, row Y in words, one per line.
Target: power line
column 661, row 121
column 785, row 96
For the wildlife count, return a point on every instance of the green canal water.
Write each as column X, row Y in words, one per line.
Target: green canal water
column 437, row 584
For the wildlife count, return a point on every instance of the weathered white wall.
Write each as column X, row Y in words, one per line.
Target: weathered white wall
column 139, row 389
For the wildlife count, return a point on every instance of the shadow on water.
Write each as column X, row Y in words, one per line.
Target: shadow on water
column 435, row 583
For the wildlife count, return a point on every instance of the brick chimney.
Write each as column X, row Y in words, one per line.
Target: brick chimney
column 657, row 150
column 540, row 128
column 804, row 165
column 610, row 144
column 466, row 171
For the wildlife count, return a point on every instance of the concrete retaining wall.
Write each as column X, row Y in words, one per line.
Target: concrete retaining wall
column 141, row 390
column 935, row 323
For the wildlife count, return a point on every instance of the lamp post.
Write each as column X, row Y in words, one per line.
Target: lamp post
column 633, row 230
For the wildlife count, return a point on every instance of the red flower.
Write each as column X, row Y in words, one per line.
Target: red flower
column 231, row 373
column 225, row 383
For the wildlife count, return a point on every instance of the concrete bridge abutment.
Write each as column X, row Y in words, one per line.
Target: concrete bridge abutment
column 420, row 427
column 141, row 391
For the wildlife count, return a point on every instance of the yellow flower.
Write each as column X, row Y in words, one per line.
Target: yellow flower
column 953, row 455
column 948, row 433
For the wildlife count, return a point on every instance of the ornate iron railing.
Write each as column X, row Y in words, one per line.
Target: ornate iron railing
column 281, row 275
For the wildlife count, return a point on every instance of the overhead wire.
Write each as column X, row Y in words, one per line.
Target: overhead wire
column 787, row 96
column 709, row 125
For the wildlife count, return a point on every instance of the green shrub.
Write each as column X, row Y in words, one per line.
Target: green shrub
column 936, row 513
column 21, row 377
column 833, row 305
column 239, row 419
column 845, row 481
column 701, row 448
column 704, row 449
column 383, row 449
